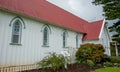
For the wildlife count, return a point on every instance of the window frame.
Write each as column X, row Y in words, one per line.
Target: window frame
column 19, row 33
column 21, row 25
column 47, row 37
column 64, row 38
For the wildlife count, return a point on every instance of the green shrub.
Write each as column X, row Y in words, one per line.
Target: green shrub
column 90, row 63
column 53, row 61
column 94, row 52
column 115, row 60
column 108, row 64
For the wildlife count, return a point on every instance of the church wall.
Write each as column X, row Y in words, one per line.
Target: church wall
column 31, row 49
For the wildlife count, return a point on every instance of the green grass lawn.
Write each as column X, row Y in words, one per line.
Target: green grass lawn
column 108, row 69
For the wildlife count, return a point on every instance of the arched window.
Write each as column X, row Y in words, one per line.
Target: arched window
column 17, row 23
column 45, row 36
column 77, row 41
column 64, row 39
column 16, row 32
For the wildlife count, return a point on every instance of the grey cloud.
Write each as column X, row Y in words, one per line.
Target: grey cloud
column 82, row 8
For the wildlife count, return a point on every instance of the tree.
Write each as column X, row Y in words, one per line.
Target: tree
column 116, row 27
column 111, row 10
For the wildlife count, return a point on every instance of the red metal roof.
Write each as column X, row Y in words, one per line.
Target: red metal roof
column 93, row 30
column 43, row 10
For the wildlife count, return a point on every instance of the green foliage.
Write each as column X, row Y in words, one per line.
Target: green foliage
column 90, row 63
column 111, row 8
column 94, row 52
column 115, row 60
column 112, row 48
column 53, row 61
column 108, row 69
column 108, row 64
column 116, row 28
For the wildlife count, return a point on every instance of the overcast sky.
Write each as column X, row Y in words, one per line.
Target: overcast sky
column 82, row 8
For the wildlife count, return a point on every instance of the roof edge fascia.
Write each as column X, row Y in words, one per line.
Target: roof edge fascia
column 103, row 24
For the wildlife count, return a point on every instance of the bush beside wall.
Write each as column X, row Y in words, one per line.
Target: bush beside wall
column 94, row 52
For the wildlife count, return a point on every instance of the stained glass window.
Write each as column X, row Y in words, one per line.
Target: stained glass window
column 16, row 33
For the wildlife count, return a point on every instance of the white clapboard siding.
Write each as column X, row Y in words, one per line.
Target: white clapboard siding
column 31, row 50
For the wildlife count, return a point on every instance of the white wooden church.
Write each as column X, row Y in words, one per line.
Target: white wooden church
column 29, row 29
